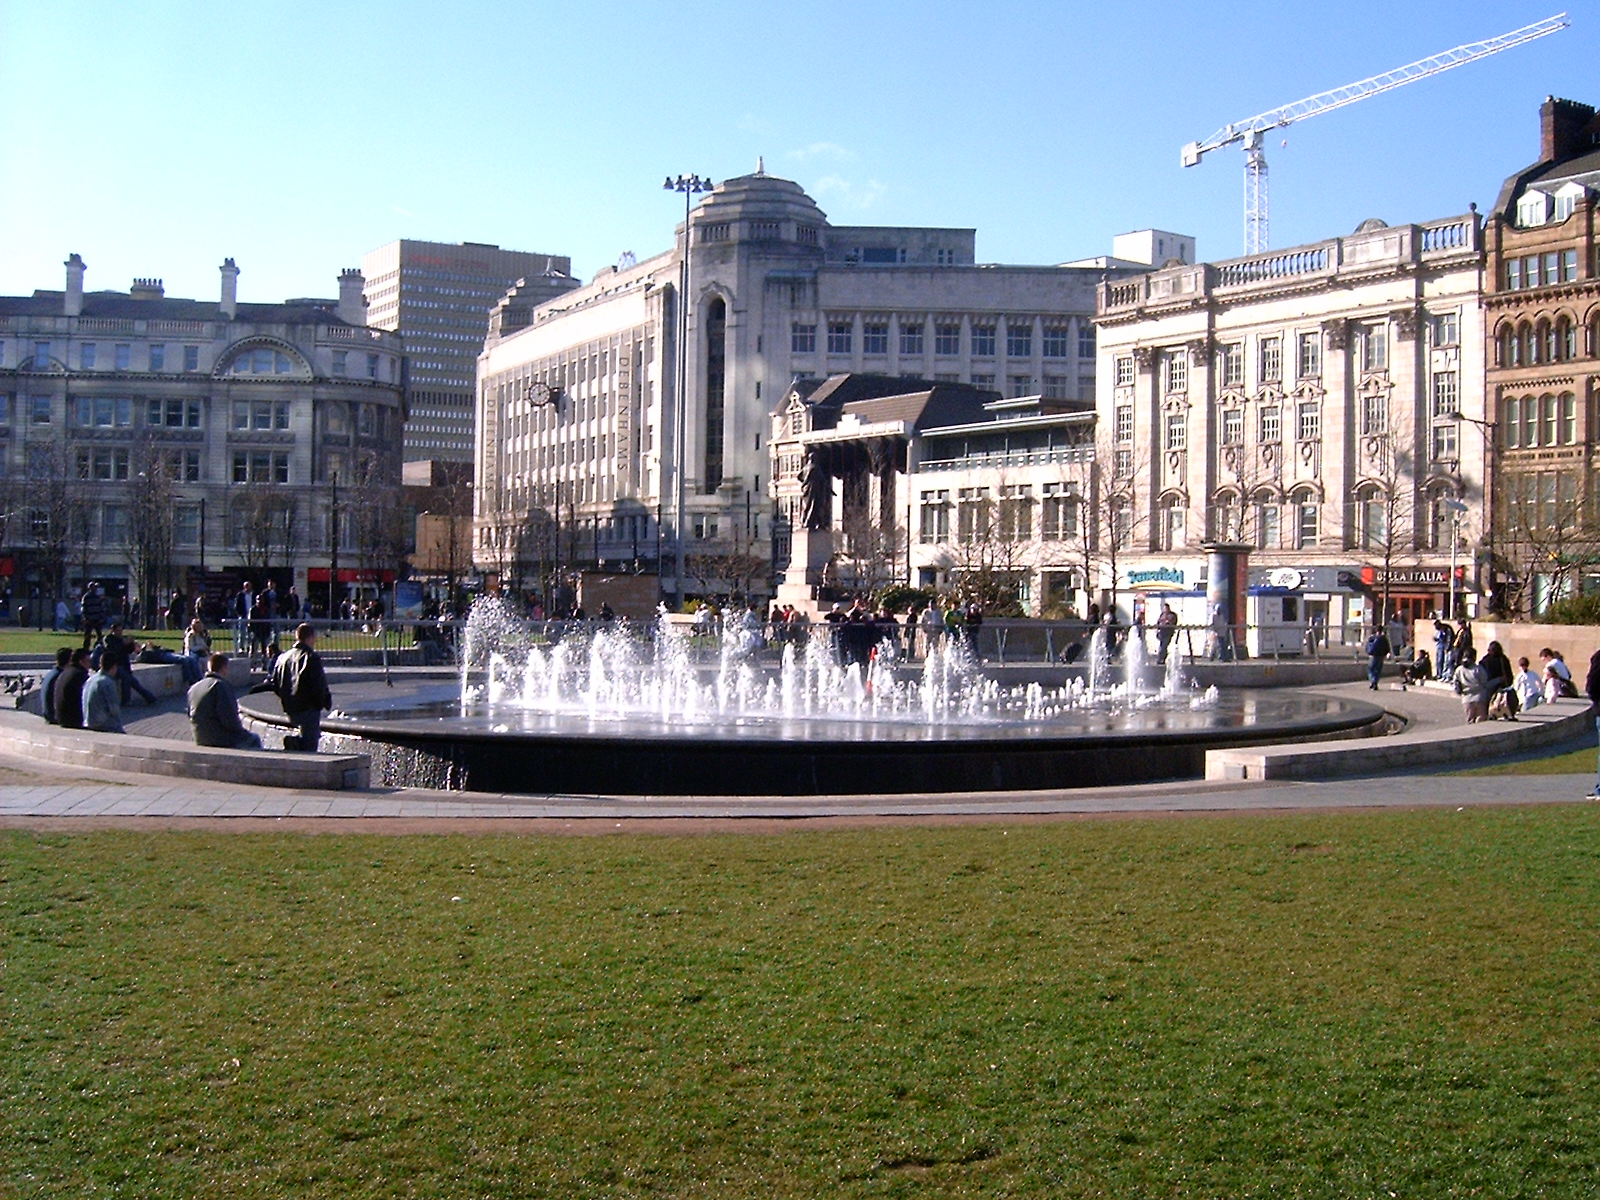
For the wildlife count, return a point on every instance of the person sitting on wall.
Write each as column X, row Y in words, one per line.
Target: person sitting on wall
column 102, row 696
column 214, row 710
column 69, row 691
column 47, row 687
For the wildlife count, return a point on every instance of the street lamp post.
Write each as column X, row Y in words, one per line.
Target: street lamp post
column 1486, row 431
column 689, row 185
column 1456, row 509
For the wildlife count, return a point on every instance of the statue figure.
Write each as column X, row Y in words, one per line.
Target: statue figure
column 816, row 493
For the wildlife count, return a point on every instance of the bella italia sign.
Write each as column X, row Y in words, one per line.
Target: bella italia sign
column 1170, row 576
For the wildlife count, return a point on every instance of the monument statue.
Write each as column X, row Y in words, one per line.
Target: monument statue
column 816, row 493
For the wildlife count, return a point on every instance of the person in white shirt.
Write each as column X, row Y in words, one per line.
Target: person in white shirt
column 1557, row 675
column 1528, row 686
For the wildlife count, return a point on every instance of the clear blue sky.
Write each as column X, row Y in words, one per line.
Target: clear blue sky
column 155, row 139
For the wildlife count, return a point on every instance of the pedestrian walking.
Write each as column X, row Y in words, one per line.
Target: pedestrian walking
column 1378, row 650
column 301, row 685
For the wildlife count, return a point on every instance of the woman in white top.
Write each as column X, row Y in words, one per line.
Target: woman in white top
column 1557, row 675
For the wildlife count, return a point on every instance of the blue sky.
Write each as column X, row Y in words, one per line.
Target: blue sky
column 155, row 139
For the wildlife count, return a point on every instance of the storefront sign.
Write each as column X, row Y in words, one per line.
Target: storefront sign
column 1160, row 575
column 1286, row 577
column 1409, row 576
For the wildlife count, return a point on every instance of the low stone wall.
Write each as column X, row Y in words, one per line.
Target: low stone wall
column 163, row 679
column 1524, row 639
column 85, row 749
column 1545, row 725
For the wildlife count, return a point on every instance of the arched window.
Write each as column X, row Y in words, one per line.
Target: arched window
column 1509, row 355
column 1174, row 523
column 1442, row 519
column 1566, row 340
column 1529, row 335
column 1548, row 346
column 1268, row 534
column 1307, row 519
column 716, row 375
column 1372, row 510
column 261, row 360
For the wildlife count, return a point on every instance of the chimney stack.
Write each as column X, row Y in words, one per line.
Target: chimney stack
column 1564, row 129
column 352, row 308
column 147, row 289
column 230, row 289
column 72, row 302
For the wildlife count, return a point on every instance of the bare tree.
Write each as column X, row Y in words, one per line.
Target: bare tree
column 150, row 525
column 1543, row 531
column 1386, row 520
column 57, row 507
column 264, row 527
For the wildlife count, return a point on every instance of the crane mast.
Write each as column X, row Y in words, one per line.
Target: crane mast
column 1250, row 133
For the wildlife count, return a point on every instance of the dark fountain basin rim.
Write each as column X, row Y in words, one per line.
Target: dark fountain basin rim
column 750, row 761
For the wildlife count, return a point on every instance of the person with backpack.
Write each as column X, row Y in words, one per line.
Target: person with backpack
column 1377, row 651
column 301, row 685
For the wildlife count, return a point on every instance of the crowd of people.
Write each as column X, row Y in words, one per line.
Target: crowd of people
column 89, row 687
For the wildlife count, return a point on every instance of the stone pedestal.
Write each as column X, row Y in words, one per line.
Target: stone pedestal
column 810, row 552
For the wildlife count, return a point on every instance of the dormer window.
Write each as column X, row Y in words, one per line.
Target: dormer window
column 1566, row 200
column 1533, row 209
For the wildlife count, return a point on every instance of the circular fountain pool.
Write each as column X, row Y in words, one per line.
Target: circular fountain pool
column 613, row 711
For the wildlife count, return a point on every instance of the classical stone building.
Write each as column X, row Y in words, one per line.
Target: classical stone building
column 1321, row 403
column 186, row 443
column 948, row 486
column 577, row 407
column 437, row 296
column 1542, row 310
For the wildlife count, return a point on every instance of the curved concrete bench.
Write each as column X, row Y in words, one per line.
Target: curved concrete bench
column 31, row 737
column 1544, row 725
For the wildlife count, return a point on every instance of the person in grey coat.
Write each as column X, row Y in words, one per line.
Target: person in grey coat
column 214, row 711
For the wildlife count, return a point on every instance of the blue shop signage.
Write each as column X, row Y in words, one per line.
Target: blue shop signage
column 1171, row 576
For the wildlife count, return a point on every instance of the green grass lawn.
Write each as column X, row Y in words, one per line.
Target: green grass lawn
column 14, row 640
column 1559, row 761
column 1393, row 1004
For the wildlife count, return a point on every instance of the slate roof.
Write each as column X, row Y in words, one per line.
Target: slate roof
column 122, row 306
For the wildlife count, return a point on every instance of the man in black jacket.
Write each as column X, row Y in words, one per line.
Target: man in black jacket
column 300, row 683
column 69, row 691
column 47, row 688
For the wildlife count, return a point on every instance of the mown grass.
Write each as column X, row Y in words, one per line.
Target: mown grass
column 24, row 640
column 1395, row 1004
column 1579, row 761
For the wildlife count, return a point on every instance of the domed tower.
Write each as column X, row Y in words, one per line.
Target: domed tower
column 751, row 234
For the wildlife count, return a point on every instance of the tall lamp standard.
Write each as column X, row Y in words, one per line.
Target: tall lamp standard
column 1486, row 431
column 689, row 185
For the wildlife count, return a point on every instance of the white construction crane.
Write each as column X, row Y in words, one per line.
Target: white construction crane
column 1250, row 133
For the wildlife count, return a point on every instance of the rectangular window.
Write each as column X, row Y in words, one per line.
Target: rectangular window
column 1021, row 385
column 1055, row 341
column 1175, row 367
column 935, row 517
column 1177, row 431
column 86, row 356
column 1233, row 365
column 983, row 340
column 1085, row 340
column 1552, row 272
column 39, row 407
column 158, row 358
column 1445, row 328
column 1271, row 360
column 839, row 337
column 1266, row 525
column 947, row 340
column 972, row 514
column 1547, row 424
column 1086, row 386
column 114, row 525
column 1513, row 274
column 1444, row 442
column 1309, row 357
column 1310, row 422
column 911, row 340
column 191, row 358
column 186, row 525
column 1124, row 424
column 1122, row 464
column 1016, row 512
column 1374, row 415
column 341, row 362
column 104, row 412
column 1530, row 271
column 1125, row 371
column 183, row 466
column 41, row 356
column 372, row 366
column 1446, row 394
column 1019, row 341
column 123, row 356
column 802, row 338
column 260, row 466
column 1233, row 427
column 1372, row 342
column 1059, row 513
column 1057, row 387
column 1512, row 425
column 982, row 380
column 1569, row 419
column 874, row 339
column 1569, row 266
column 1271, row 428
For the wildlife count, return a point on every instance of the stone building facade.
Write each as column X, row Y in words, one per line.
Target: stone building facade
column 1542, row 311
column 577, row 408
column 1321, row 404
column 143, row 435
